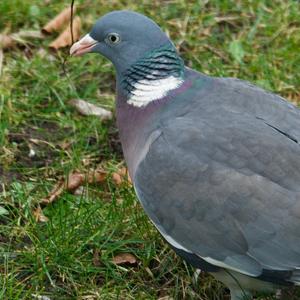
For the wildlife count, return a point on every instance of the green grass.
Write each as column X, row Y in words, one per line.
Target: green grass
column 70, row 256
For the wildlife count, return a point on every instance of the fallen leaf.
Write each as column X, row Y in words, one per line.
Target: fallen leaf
column 8, row 41
column 120, row 176
column 59, row 21
column 27, row 34
column 39, row 216
column 88, row 109
column 65, row 38
column 74, row 181
column 97, row 176
column 55, row 193
column 116, row 177
column 124, row 258
column 124, row 172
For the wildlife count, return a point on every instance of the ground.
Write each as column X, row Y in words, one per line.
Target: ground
column 71, row 255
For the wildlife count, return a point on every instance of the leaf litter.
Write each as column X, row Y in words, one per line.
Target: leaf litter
column 8, row 41
column 65, row 38
column 74, row 182
column 59, row 21
column 124, row 258
column 121, row 176
column 88, row 109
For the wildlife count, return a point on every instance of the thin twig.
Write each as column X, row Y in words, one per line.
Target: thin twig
column 71, row 23
column 64, row 62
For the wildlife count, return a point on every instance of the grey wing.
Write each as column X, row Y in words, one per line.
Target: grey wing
column 244, row 97
column 225, row 187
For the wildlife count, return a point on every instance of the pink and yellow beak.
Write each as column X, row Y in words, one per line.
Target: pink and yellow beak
column 83, row 46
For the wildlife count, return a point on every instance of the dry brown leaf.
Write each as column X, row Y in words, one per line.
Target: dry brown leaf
column 97, row 176
column 8, row 41
column 65, row 38
column 55, row 193
column 120, row 176
column 27, row 34
column 88, row 109
column 74, row 181
column 59, row 21
column 116, row 177
column 39, row 216
column 124, row 172
column 124, row 258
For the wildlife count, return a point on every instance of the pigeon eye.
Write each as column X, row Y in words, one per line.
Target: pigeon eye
column 113, row 38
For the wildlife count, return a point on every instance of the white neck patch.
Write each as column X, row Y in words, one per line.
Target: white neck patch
column 146, row 91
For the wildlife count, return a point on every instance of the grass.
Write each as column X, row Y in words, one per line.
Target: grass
column 70, row 256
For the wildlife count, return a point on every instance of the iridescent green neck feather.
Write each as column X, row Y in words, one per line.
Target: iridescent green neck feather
column 158, row 64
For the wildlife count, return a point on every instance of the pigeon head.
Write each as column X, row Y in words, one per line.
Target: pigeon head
column 123, row 37
column 137, row 47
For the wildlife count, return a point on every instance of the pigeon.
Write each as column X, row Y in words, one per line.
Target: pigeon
column 214, row 161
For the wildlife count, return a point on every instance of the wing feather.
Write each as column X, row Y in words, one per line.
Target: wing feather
column 226, row 187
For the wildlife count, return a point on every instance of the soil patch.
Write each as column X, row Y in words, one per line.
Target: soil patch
column 37, row 143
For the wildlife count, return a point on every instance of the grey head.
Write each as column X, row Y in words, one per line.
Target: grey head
column 135, row 44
